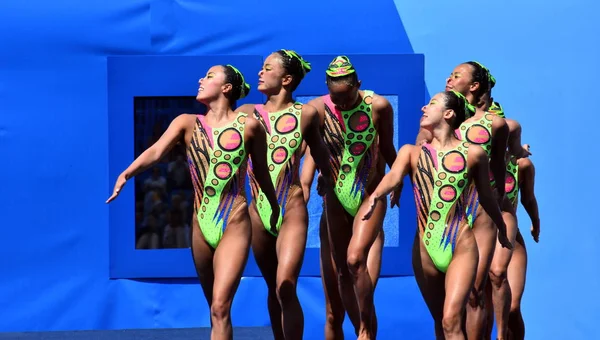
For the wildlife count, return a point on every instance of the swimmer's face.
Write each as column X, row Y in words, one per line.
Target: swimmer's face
column 211, row 85
column 435, row 111
column 344, row 95
column 272, row 77
column 460, row 79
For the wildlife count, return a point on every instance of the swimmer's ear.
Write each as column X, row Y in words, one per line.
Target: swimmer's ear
column 287, row 79
column 227, row 88
column 449, row 114
column 474, row 86
column 358, row 84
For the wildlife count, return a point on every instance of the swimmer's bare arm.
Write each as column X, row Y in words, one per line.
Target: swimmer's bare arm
column 308, row 174
column 528, row 199
column 393, row 179
column 514, row 140
column 256, row 143
column 424, row 136
column 175, row 133
column 479, row 170
column 314, row 140
column 385, row 129
column 247, row 109
column 309, row 167
column 497, row 161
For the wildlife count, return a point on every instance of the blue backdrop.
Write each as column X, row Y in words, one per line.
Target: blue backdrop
column 57, row 171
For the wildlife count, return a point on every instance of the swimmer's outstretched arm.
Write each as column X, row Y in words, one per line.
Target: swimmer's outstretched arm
column 479, row 170
column 528, row 199
column 175, row 133
column 393, row 179
column 257, row 145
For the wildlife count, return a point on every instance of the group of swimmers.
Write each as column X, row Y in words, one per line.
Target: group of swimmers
column 467, row 167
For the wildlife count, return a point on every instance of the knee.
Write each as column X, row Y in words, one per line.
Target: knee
column 334, row 319
column 220, row 310
column 451, row 322
column 515, row 307
column 357, row 262
column 498, row 275
column 476, row 299
column 286, row 291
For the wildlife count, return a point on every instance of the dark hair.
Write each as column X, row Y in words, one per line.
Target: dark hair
column 294, row 65
column 350, row 80
column 480, row 75
column 458, row 103
column 240, row 88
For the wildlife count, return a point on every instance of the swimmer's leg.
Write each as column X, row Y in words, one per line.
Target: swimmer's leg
column 202, row 254
column 501, row 295
column 374, row 267
column 431, row 284
column 489, row 311
column 485, row 234
column 264, row 250
column 364, row 234
column 339, row 231
column 460, row 278
column 517, row 270
column 291, row 244
column 229, row 261
column 334, row 307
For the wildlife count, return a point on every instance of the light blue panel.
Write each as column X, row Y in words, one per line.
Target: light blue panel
column 315, row 208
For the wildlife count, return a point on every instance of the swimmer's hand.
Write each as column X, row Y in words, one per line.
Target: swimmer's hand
column 395, row 196
column 275, row 218
column 373, row 199
column 320, row 185
column 118, row 187
column 503, row 238
column 524, row 152
column 535, row 231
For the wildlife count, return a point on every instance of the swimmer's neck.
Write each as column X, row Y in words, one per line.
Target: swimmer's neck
column 218, row 111
column 443, row 137
column 279, row 102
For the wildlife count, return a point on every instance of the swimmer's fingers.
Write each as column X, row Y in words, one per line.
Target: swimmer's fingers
column 118, row 188
column 372, row 204
column 535, row 233
column 504, row 241
column 395, row 197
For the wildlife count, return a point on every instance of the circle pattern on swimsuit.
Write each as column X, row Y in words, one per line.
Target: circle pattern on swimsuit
column 279, row 155
column 368, row 100
column 454, row 162
column 447, row 193
column 478, row 134
column 359, row 121
column 509, row 184
column 230, row 139
column 357, row 148
column 210, row 191
column 286, row 123
column 223, row 170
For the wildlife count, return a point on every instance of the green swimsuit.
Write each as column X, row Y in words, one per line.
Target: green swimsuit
column 440, row 197
column 349, row 136
column 284, row 138
column 217, row 162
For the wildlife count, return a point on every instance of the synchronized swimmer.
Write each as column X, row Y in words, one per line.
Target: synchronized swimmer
column 467, row 168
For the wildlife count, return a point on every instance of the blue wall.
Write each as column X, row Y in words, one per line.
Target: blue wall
column 53, row 87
